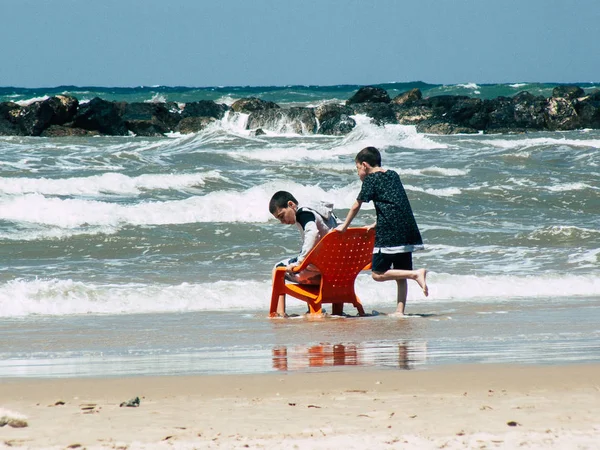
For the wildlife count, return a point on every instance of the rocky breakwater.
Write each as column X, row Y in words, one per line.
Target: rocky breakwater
column 568, row 108
column 64, row 116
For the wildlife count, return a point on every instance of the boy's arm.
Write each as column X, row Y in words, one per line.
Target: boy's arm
column 311, row 238
column 351, row 215
column 306, row 221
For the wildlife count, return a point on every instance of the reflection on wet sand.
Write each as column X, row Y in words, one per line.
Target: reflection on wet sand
column 403, row 355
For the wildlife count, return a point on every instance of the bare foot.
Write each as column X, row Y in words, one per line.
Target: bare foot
column 421, row 279
column 397, row 314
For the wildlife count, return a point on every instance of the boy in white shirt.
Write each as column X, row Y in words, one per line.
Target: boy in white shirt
column 313, row 222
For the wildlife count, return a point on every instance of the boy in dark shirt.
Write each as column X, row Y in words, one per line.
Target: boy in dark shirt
column 397, row 234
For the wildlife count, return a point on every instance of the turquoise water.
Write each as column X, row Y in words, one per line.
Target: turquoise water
column 279, row 94
column 130, row 255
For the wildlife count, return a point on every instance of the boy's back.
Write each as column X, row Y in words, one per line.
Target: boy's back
column 396, row 224
column 314, row 221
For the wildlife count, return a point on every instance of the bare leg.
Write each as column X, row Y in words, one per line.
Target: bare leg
column 418, row 275
column 402, row 291
column 281, row 306
column 421, row 280
column 401, row 298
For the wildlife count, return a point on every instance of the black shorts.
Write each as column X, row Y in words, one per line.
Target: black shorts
column 383, row 262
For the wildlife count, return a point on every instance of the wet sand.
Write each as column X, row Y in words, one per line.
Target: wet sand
column 466, row 406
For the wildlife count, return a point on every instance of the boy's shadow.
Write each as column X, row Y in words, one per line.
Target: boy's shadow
column 373, row 313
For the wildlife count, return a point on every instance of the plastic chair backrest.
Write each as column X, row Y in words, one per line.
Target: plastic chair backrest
column 340, row 257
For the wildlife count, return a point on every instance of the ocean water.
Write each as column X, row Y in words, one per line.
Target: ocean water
column 284, row 95
column 131, row 255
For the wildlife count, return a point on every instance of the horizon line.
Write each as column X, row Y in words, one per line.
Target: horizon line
column 158, row 86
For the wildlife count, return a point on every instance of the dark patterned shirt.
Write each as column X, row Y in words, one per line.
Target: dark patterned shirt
column 397, row 230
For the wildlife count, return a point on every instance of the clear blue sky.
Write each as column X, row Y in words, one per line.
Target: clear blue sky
column 279, row 42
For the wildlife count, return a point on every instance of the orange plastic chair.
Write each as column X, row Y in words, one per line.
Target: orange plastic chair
column 339, row 257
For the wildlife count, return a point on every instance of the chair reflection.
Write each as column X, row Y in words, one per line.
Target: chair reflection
column 402, row 355
column 316, row 356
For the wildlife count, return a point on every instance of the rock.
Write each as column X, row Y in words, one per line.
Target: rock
column 65, row 108
column 530, row 111
column 467, row 112
column 381, row 113
column 569, row 108
column 150, row 119
column 436, row 127
column 64, row 131
column 12, row 419
column 34, row 118
column 568, row 92
column 500, row 114
column 520, row 113
column 204, row 108
column 9, row 116
column 146, row 128
column 334, row 119
column 458, row 112
column 369, row 94
column 132, row 403
column 102, row 116
column 258, row 132
column 408, row 114
column 443, row 103
column 284, row 120
column 588, row 110
column 408, row 97
column 193, row 124
column 37, row 116
column 252, row 104
column 561, row 114
column 593, row 97
column 478, row 121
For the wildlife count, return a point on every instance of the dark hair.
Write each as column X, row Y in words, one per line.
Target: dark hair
column 280, row 199
column 370, row 155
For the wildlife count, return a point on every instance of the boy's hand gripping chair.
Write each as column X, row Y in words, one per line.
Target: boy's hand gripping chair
column 339, row 257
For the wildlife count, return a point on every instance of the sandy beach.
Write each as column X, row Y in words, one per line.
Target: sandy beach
column 478, row 406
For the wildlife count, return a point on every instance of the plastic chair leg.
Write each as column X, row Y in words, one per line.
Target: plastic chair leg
column 358, row 305
column 278, row 289
column 314, row 308
column 337, row 309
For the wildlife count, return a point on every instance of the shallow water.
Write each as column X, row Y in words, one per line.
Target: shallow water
column 521, row 331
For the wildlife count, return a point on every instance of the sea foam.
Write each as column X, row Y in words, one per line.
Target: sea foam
column 29, row 101
column 540, row 142
column 248, row 206
column 469, row 86
column 563, row 187
column 65, row 297
column 107, row 183
column 444, row 192
column 563, row 233
column 322, row 148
